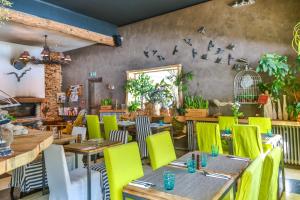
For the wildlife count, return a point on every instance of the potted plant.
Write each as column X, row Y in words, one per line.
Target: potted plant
column 140, row 87
column 284, row 80
column 161, row 96
column 196, row 106
column 106, row 104
column 235, row 108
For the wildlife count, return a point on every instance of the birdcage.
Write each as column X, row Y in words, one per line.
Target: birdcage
column 246, row 90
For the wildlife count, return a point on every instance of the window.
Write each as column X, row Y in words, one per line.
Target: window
column 157, row 74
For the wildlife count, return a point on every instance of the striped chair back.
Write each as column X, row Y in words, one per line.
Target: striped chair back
column 118, row 136
column 143, row 130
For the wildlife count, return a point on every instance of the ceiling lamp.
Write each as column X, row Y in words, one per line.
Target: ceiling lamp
column 46, row 49
column 47, row 56
column 240, row 3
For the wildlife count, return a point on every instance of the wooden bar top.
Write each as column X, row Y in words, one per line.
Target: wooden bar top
column 244, row 121
column 89, row 148
column 25, row 149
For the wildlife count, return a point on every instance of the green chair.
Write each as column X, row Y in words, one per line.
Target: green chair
column 227, row 122
column 247, row 141
column 263, row 123
column 208, row 134
column 110, row 124
column 93, row 126
column 250, row 182
column 269, row 179
column 123, row 165
column 161, row 149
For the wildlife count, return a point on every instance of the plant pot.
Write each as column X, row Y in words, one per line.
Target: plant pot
column 106, row 107
column 180, row 118
column 196, row 113
column 156, row 109
column 164, row 112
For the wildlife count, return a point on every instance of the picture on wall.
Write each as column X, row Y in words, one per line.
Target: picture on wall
column 61, row 97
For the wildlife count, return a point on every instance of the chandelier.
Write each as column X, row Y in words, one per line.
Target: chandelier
column 47, row 56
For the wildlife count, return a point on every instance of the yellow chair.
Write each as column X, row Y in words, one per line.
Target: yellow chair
column 123, row 165
column 269, row 179
column 93, row 126
column 110, row 124
column 263, row 123
column 208, row 134
column 161, row 149
column 227, row 122
column 246, row 141
column 250, row 182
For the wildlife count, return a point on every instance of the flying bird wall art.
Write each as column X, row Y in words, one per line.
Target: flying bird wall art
column 21, row 75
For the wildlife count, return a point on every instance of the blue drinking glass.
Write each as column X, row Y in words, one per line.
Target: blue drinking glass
column 169, row 180
column 269, row 133
column 161, row 123
column 203, row 159
column 191, row 165
column 214, row 150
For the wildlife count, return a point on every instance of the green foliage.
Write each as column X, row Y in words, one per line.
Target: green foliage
column 3, row 11
column 139, row 87
column 294, row 109
column 161, row 93
column 181, row 80
column 12, row 118
column 181, row 110
column 284, row 76
column 235, row 108
column 106, row 102
column 195, row 102
column 133, row 106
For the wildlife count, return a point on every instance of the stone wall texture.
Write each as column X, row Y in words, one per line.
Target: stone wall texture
column 266, row 26
column 53, row 84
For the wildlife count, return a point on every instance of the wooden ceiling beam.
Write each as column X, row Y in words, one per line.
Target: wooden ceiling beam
column 38, row 22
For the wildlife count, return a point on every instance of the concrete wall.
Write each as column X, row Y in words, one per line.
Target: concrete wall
column 263, row 27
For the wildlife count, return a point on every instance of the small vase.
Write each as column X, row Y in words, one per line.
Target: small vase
column 279, row 110
column 274, row 113
column 156, row 109
column 285, row 114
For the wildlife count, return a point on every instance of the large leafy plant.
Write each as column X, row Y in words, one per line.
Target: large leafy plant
column 140, row 87
column 275, row 66
column 161, row 93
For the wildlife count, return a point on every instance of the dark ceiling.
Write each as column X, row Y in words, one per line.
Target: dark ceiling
column 122, row 12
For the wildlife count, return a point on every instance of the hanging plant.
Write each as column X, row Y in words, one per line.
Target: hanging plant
column 181, row 80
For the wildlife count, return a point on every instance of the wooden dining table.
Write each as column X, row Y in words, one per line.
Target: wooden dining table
column 199, row 185
column 89, row 148
column 25, row 149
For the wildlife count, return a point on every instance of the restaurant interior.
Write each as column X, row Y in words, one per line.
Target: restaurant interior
column 158, row 100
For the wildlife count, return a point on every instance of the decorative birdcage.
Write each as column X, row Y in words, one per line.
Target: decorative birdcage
column 246, row 90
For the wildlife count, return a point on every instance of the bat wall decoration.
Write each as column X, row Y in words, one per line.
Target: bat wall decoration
column 210, row 45
column 175, row 50
column 194, row 53
column 188, row 41
column 146, row 53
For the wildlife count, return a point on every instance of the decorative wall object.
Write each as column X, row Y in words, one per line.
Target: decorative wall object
column 268, row 107
column 188, row 41
column 175, row 50
column 61, row 97
column 160, row 58
column 274, row 113
column 154, row 52
column 194, row 53
column 201, row 30
column 210, row 45
column 229, row 59
column 18, row 64
column 218, row 60
column 230, row 47
column 219, row 51
column 284, row 108
column 146, row 53
column 21, row 75
column 204, row 57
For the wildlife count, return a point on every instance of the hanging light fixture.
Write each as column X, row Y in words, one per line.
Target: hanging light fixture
column 46, row 50
column 46, row 57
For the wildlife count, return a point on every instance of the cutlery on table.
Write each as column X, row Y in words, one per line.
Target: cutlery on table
column 237, row 158
column 139, row 185
column 217, row 175
column 178, row 164
column 144, row 183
